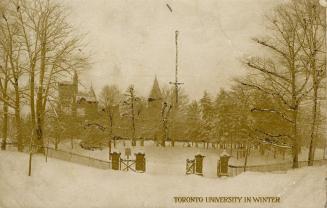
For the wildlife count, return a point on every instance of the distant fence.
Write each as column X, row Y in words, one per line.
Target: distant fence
column 69, row 156
column 279, row 167
column 77, row 158
column 233, row 170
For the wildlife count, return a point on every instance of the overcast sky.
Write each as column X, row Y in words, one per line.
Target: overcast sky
column 131, row 41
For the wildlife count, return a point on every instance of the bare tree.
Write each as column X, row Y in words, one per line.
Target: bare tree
column 109, row 99
column 133, row 111
column 283, row 76
column 12, row 70
column 38, row 44
column 311, row 18
column 53, row 51
column 4, row 79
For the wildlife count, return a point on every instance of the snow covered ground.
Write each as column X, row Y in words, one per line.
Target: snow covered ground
column 172, row 161
column 151, row 149
column 60, row 184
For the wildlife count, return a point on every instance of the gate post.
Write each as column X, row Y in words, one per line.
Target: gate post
column 140, row 162
column 199, row 164
column 222, row 168
column 115, row 160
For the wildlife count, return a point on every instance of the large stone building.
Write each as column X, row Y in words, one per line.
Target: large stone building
column 83, row 107
column 75, row 103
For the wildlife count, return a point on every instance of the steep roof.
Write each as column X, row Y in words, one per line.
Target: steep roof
column 75, row 77
column 89, row 96
column 155, row 93
column 92, row 92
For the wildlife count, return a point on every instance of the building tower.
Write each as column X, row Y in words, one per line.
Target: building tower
column 67, row 96
column 75, row 82
column 155, row 98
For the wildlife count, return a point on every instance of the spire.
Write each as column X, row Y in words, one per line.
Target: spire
column 155, row 93
column 92, row 92
column 75, row 77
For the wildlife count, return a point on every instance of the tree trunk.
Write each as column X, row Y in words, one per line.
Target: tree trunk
column 5, row 108
column 19, row 138
column 231, row 145
column 313, row 126
column 30, row 164
column 109, row 148
column 133, row 119
column 110, row 137
column 56, row 143
column 246, row 159
column 296, row 146
column 295, row 155
column 5, row 124
column 32, row 99
column 39, row 136
column 295, row 108
column 40, row 97
column 325, row 144
column 39, row 123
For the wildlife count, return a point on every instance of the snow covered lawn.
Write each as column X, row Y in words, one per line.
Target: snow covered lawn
column 60, row 184
column 172, row 160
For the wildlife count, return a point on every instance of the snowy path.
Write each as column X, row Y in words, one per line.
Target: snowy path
column 62, row 184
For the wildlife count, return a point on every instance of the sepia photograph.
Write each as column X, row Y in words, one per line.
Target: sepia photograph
column 163, row 104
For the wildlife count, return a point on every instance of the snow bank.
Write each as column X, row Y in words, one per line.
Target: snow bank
column 61, row 184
